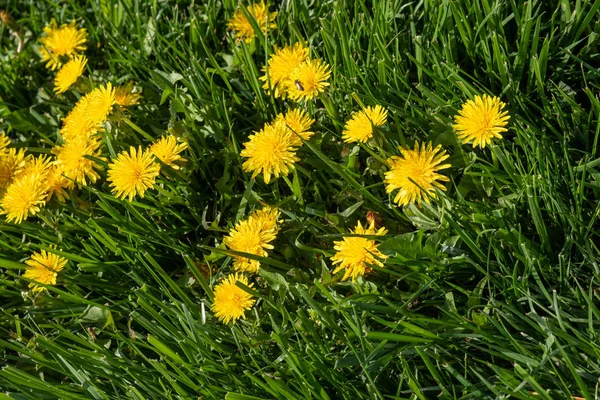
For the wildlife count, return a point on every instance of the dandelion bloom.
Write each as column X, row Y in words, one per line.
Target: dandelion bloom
column 280, row 65
column 167, row 150
column 360, row 127
column 299, row 123
column 76, row 123
column 69, row 73
column 11, row 165
column 133, row 173
column 243, row 29
column 231, row 302
column 270, row 151
column 307, row 80
column 26, row 194
column 355, row 254
column 61, row 43
column 481, row 120
column 253, row 236
column 125, row 97
column 100, row 103
column 56, row 184
column 71, row 159
column 414, row 173
column 42, row 268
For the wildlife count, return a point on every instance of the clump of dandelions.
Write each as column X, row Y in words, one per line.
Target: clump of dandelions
column 60, row 44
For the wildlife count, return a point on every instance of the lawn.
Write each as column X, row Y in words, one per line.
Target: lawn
column 477, row 279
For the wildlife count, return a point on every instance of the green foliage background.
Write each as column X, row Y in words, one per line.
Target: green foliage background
column 491, row 292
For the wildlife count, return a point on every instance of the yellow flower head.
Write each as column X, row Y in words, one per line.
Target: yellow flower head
column 481, row 120
column 133, row 173
column 360, row 127
column 299, row 123
column 308, row 79
column 167, row 150
column 231, row 302
column 253, row 236
column 72, row 161
column 100, row 103
column 125, row 97
column 415, row 173
column 56, row 184
column 243, row 28
column 355, row 254
column 27, row 193
column 61, row 43
column 43, row 268
column 280, row 65
column 270, row 151
column 4, row 143
column 69, row 73
column 11, row 166
column 76, row 123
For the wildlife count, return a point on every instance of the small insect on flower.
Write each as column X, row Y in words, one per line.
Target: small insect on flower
column 133, row 173
column 231, row 302
column 414, row 173
column 60, row 44
column 253, row 236
column 270, row 151
column 481, row 120
column 360, row 127
column 298, row 123
column 355, row 254
column 167, row 150
column 69, row 73
column 279, row 67
column 125, row 96
column 242, row 27
column 43, row 267
column 308, row 79
column 100, row 104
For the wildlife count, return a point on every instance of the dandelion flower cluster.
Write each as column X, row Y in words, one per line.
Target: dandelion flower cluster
column 133, row 173
column 253, row 235
column 42, row 268
column 242, row 27
column 60, row 44
column 480, row 120
column 231, row 302
column 415, row 173
column 167, row 150
column 69, row 73
column 360, row 127
column 355, row 254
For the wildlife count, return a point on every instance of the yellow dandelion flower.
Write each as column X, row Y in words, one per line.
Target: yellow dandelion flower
column 4, row 143
column 76, row 123
column 100, row 104
column 43, row 267
column 56, row 184
column 415, row 173
column 299, row 123
column 133, row 173
column 270, row 151
column 481, row 120
column 253, row 236
column 307, row 80
column 167, row 150
column 27, row 193
column 231, row 302
column 280, row 65
column 72, row 161
column 11, row 166
column 69, row 73
column 125, row 97
column 61, row 43
column 243, row 28
column 360, row 127
column 355, row 254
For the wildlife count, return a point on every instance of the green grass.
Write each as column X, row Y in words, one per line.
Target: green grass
column 493, row 291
